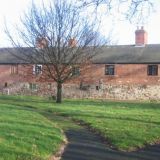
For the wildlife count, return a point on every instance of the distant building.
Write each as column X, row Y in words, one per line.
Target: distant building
column 123, row 72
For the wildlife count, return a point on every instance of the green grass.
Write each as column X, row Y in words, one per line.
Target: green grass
column 25, row 134
column 127, row 126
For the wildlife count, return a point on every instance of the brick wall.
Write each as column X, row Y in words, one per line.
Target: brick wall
column 7, row 77
column 141, row 36
column 124, row 74
column 129, row 82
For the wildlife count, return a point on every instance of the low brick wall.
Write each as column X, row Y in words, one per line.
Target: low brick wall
column 110, row 91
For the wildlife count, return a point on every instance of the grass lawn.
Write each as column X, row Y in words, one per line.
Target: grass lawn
column 25, row 134
column 127, row 126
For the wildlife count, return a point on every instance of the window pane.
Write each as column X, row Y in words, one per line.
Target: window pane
column 109, row 69
column 30, row 86
column 37, row 69
column 75, row 71
column 14, row 69
column 33, row 86
column 153, row 70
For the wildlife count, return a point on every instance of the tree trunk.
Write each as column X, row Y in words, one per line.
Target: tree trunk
column 59, row 93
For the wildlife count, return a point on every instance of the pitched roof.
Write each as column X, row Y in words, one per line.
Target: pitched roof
column 11, row 55
column 129, row 54
column 107, row 54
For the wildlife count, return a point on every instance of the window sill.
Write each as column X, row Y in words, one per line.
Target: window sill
column 111, row 75
column 152, row 75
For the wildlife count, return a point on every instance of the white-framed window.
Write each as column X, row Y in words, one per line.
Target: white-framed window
column 37, row 69
column 14, row 69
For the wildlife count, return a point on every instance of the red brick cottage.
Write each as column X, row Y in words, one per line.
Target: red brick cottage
column 125, row 72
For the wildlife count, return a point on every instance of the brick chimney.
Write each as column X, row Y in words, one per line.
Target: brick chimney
column 141, row 36
column 72, row 42
column 41, row 42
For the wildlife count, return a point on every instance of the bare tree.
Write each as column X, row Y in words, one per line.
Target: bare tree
column 130, row 9
column 60, row 37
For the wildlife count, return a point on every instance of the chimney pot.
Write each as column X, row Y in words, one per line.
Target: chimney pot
column 41, row 42
column 72, row 42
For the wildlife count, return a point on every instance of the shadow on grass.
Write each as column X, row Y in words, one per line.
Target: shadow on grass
column 82, row 102
column 82, row 114
column 106, row 103
column 24, row 99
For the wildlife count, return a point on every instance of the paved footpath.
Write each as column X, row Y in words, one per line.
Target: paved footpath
column 84, row 145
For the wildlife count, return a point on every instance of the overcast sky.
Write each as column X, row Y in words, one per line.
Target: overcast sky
column 123, row 31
